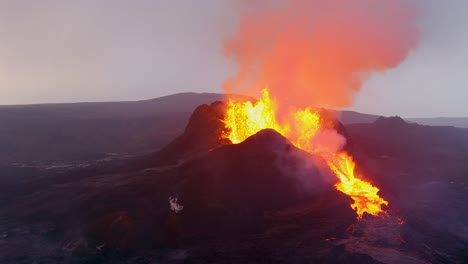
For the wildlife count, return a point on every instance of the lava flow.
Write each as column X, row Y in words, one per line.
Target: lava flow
column 302, row 127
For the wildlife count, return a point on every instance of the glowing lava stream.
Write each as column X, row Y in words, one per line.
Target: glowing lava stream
column 244, row 119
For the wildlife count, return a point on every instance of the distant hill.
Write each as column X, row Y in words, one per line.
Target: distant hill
column 89, row 130
column 176, row 103
column 461, row 122
column 352, row 117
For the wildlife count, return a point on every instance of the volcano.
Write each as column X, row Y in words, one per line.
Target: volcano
column 202, row 199
column 245, row 202
column 205, row 128
column 240, row 202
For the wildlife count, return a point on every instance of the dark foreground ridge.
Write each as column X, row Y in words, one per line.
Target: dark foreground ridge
column 240, row 202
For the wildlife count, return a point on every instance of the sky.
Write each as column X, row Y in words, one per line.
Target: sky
column 54, row 51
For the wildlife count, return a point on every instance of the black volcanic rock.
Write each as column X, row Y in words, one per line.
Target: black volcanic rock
column 203, row 132
column 261, row 201
column 231, row 188
column 265, row 164
column 230, row 194
column 255, row 200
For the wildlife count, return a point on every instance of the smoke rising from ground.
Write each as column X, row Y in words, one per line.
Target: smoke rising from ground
column 317, row 52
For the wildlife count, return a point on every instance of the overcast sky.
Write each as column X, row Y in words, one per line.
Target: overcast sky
column 109, row 50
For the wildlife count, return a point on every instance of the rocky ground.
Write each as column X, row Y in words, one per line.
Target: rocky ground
column 261, row 201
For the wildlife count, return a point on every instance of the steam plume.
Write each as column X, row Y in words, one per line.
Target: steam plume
column 174, row 204
column 317, row 52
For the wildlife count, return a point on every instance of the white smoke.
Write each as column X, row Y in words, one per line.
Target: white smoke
column 175, row 206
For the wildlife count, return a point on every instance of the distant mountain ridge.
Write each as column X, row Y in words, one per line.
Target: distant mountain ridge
column 461, row 122
column 181, row 102
column 71, row 131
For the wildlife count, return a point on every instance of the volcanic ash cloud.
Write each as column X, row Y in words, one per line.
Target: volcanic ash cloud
column 317, row 52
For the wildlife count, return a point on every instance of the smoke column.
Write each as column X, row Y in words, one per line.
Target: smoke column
column 317, row 52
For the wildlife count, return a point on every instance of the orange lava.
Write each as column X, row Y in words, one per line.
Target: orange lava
column 364, row 194
column 244, row 119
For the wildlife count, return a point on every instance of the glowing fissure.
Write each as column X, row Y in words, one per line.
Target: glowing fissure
column 244, row 119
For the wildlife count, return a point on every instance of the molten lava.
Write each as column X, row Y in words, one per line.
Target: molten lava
column 364, row 194
column 244, row 119
column 301, row 127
